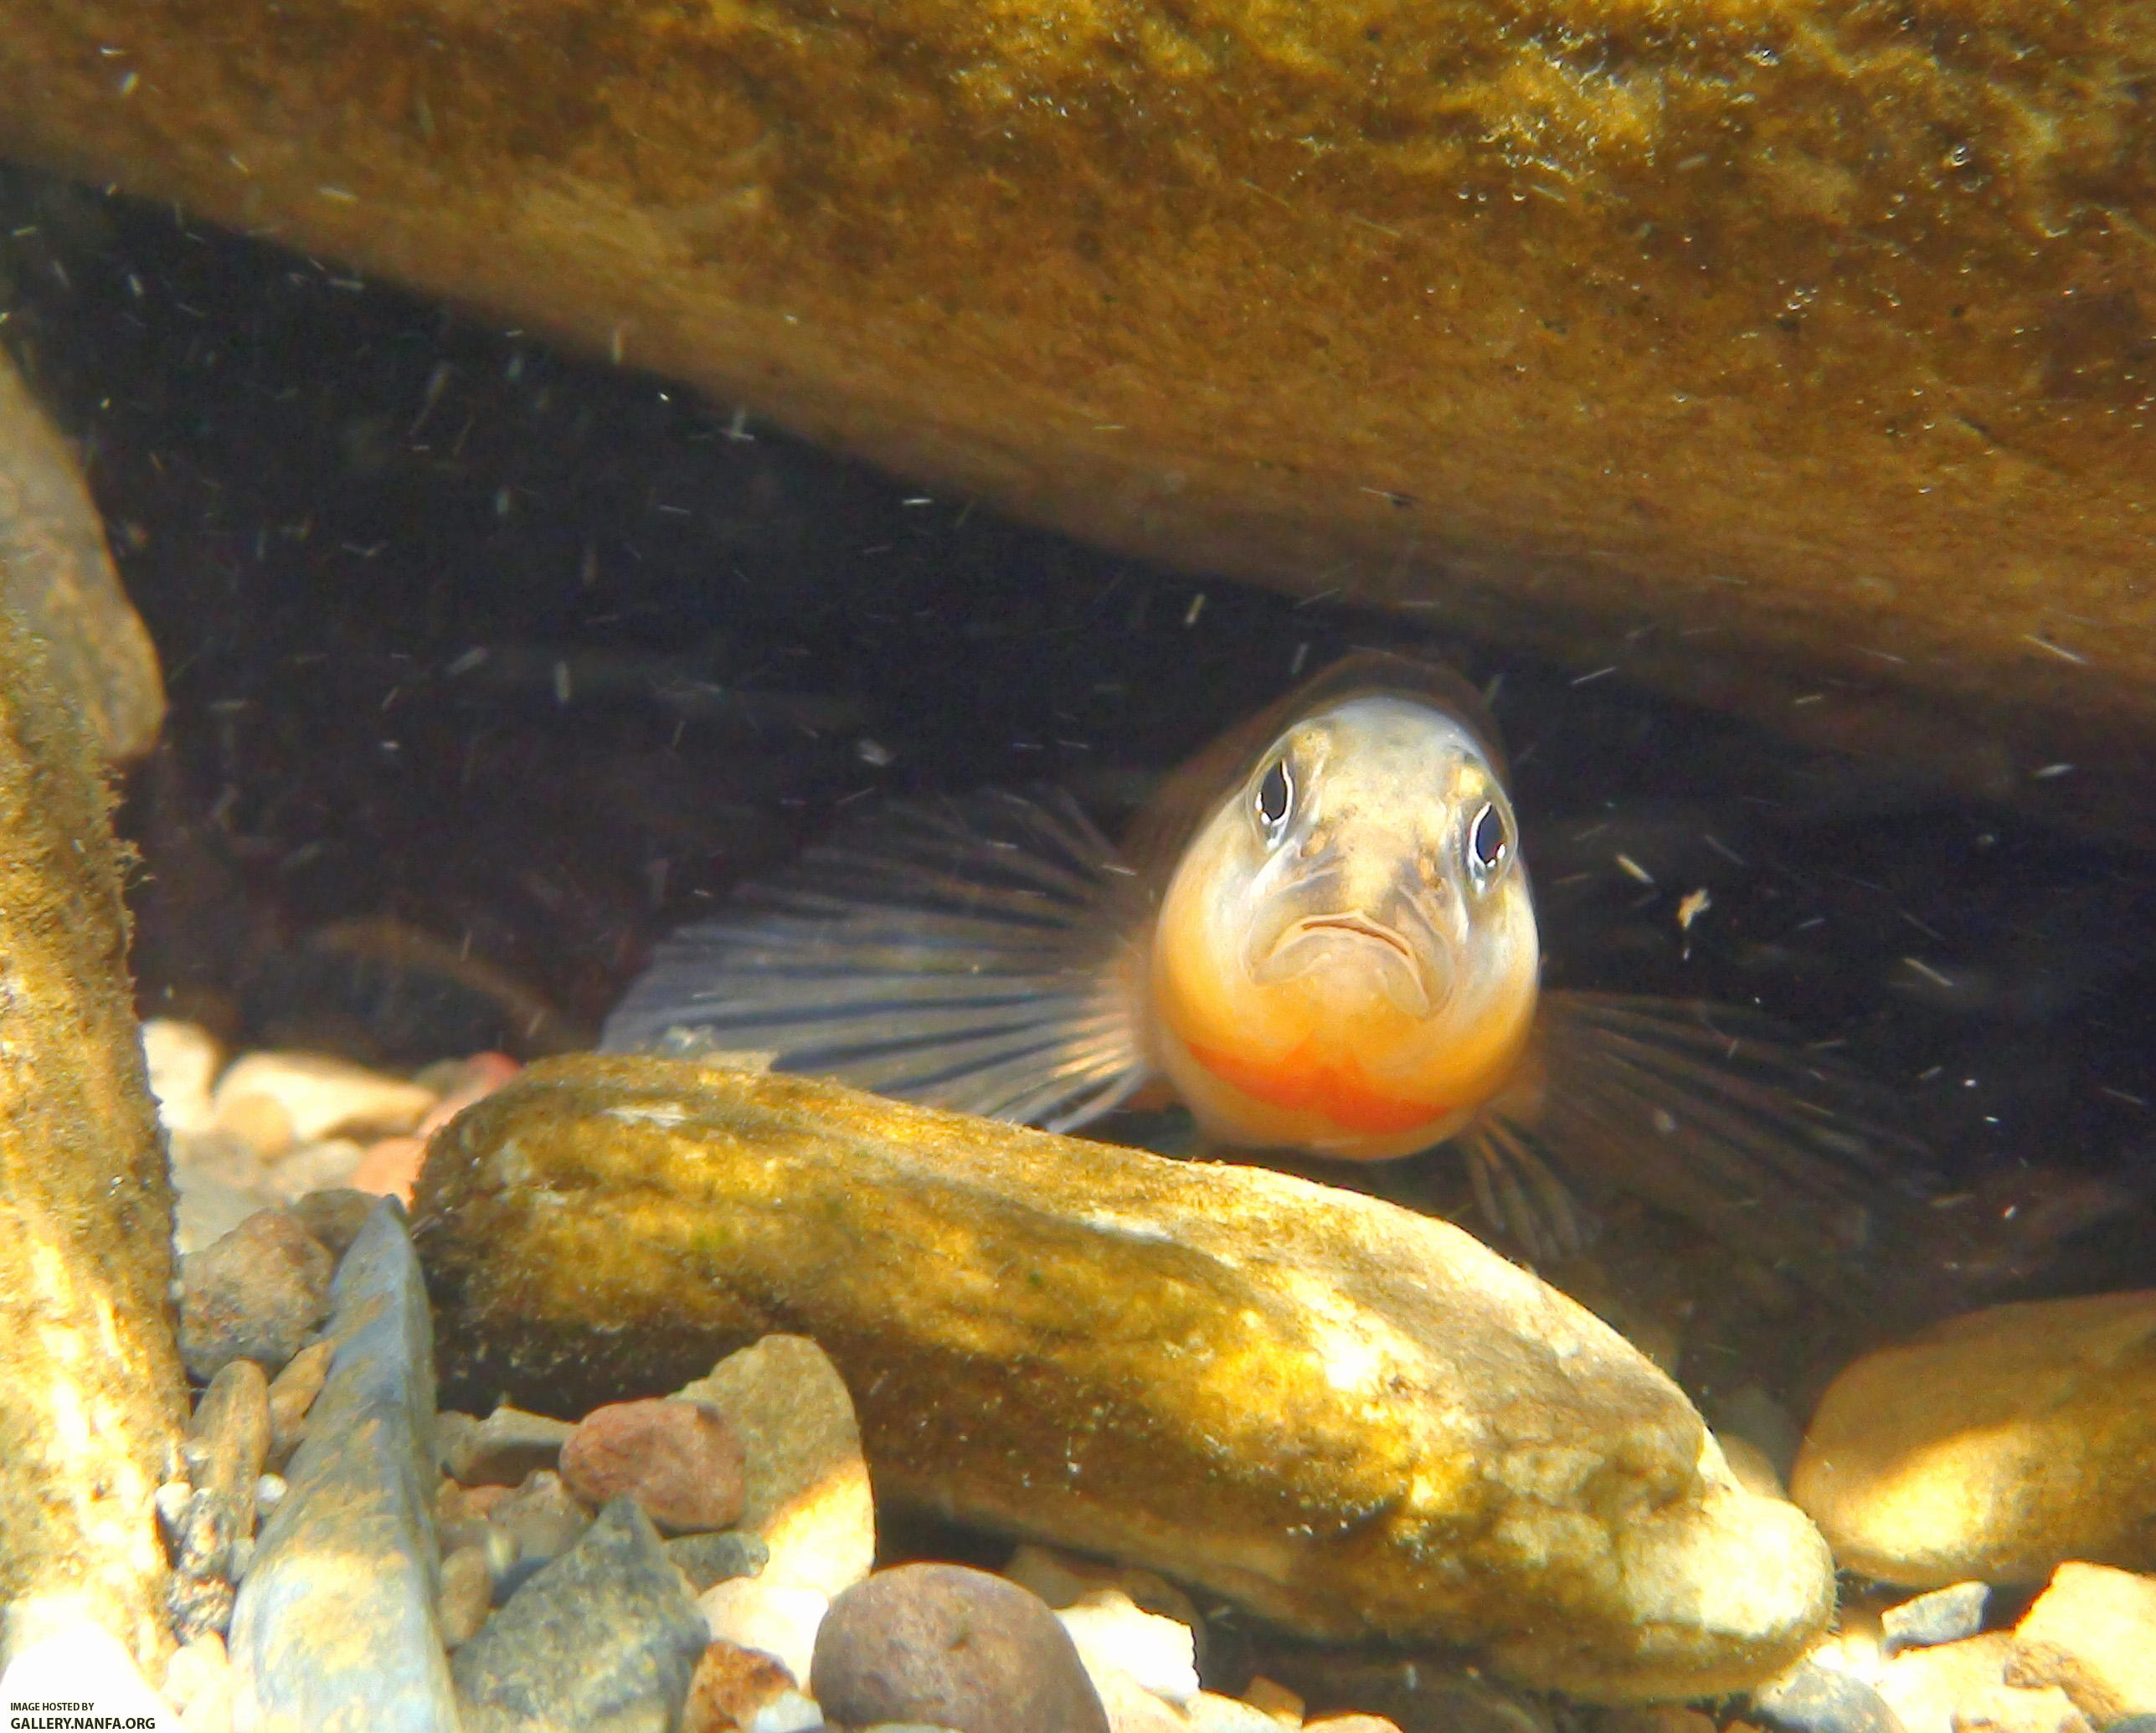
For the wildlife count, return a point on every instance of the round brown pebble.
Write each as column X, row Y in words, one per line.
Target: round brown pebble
column 957, row 1648
column 679, row 1461
column 254, row 1294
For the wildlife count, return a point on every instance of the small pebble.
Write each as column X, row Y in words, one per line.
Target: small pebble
column 706, row 1559
column 467, row 1593
column 1945, row 1615
column 198, row 1685
column 315, row 1096
column 731, row 1685
column 542, row 1518
column 606, row 1636
column 1812, row 1699
column 500, row 1450
column 807, row 1492
column 679, row 1461
column 775, row 1617
column 334, row 1215
column 228, row 1440
column 254, row 1294
column 182, row 1061
column 957, row 1647
column 292, row 1393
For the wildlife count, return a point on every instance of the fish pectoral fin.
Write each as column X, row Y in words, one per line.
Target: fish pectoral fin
column 967, row 954
column 1716, row 1114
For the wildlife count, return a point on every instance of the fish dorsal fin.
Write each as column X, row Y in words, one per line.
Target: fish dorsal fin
column 1161, row 831
column 1712, row 1112
column 965, row 953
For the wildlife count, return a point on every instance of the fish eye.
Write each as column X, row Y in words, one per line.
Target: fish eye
column 1488, row 845
column 1275, row 799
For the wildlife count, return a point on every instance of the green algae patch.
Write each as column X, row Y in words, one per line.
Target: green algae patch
column 1350, row 1419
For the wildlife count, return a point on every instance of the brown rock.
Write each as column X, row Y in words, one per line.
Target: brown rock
column 681, row 1460
column 54, row 568
column 807, row 1493
column 90, row 1425
column 292, row 1393
column 502, row 1449
column 1758, row 346
column 334, row 1215
column 467, row 1592
column 2092, row 1634
column 1993, row 1446
column 254, row 1294
column 729, row 1685
column 957, row 1648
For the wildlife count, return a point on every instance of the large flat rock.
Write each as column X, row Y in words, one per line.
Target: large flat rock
column 1796, row 360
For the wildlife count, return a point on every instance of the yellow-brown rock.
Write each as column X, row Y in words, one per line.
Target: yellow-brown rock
column 55, row 569
column 1346, row 1417
column 91, row 1400
column 1798, row 359
column 1995, row 1445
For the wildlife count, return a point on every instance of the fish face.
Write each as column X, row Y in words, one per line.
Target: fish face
column 1345, row 958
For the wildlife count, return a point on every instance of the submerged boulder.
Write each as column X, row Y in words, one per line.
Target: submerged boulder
column 1350, row 1419
column 1797, row 360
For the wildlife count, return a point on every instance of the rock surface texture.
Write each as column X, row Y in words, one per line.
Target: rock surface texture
column 1994, row 1446
column 1820, row 338
column 55, row 568
column 94, row 1400
column 1348, row 1417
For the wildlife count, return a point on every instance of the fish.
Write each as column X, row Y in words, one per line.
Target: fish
column 1321, row 935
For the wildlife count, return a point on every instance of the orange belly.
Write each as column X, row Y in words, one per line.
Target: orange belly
column 1335, row 1088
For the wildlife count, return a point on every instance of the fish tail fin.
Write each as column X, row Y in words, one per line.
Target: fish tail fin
column 1713, row 1113
column 965, row 953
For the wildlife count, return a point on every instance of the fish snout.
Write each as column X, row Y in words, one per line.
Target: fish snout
column 1394, row 953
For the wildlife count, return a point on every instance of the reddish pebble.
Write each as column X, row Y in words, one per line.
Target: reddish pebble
column 731, row 1683
column 679, row 1461
column 390, row 1168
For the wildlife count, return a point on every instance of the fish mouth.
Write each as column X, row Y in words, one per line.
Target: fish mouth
column 1358, row 955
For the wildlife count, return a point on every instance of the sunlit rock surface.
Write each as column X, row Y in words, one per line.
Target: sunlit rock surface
column 92, row 1397
column 1779, row 354
column 1349, row 1418
column 1994, row 1446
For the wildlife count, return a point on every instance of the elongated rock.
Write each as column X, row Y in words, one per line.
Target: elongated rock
column 334, row 1630
column 91, row 1398
column 1349, row 1418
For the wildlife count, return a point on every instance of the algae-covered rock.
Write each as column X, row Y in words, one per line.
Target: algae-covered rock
column 91, row 1399
column 1349, row 1418
column 1778, row 352
column 55, row 568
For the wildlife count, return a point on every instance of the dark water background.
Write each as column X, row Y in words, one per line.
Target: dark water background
column 535, row 656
